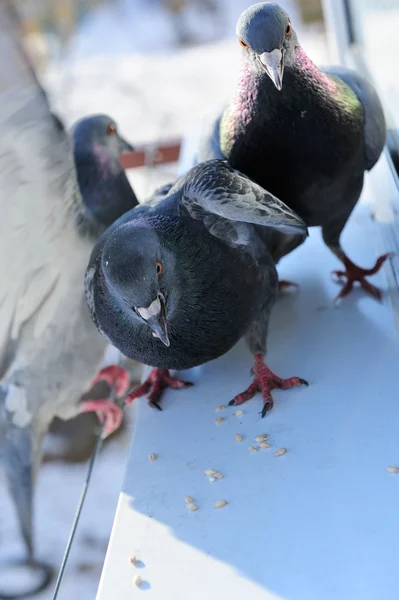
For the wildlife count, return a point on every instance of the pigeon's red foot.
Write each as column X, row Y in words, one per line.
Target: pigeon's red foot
column 284, row 284
column 154, row 385
column 106, row 409
column 264, row 382
column 354, row 273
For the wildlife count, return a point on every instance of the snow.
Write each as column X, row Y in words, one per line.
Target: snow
column 156, row 95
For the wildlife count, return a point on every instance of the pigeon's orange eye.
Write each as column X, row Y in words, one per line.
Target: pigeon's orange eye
column 288, row 30
column 242, row 44
column 159, row 267
column 111, row 129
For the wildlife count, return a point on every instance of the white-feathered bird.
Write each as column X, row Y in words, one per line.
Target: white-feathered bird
column 49, row 348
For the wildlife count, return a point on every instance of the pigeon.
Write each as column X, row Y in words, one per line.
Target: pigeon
column 177, row 281
column 49, row 349
column 306, row 135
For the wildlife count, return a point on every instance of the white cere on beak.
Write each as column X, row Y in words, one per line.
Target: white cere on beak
column 151, row 311
column 273, row 63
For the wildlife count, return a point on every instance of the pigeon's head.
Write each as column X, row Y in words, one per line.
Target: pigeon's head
column 139, row 274
column 98, row 134
column 268, row 40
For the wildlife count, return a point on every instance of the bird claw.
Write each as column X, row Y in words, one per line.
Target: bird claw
column 265, row 381
column 154, row 385
column 154, row 404
column 354, row 273
column 106, row 410
column 114, row 376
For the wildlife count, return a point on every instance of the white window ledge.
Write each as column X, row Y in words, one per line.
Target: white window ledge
column 320, row 522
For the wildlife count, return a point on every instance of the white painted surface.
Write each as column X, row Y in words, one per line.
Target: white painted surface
column 319, row 523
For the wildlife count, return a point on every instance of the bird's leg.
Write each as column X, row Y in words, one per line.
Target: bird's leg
column 265, row 381
column 105, row 408
column 354, row 273
column 154, row 385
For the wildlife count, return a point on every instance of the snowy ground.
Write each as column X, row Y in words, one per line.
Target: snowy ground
column 151, row 96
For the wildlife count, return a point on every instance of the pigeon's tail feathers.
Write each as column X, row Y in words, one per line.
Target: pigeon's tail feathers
column 39, row 197
column 217, row 188
column 374, row 120
column 19, row 459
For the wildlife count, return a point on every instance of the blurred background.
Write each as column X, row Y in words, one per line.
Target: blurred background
column 162, row 68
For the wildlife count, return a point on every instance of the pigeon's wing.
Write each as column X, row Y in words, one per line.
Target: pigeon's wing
column 220, row 193
column 38, row 194
column 374, row 120
column 210, row 144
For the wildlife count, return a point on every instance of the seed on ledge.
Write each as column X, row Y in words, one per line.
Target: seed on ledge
column 188, row 499
column 219, row 408
column 239, row 437
column 264, row 445
column 220, row 503
column 137, row 580
column 192, row 506
column 261, row 438
column 239, row 413
column 393, row 469
column 132, row 560
column 218, row 476
column 212, row 479
column 152, row 457
column 210, row 472
column 281, row 451
column 219, row 420
column 252, row 449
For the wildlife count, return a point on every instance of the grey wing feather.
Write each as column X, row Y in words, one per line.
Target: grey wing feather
column 230, row 205
column 210, row 144
column 374, row 126
column 37, row 199
column 221, row 190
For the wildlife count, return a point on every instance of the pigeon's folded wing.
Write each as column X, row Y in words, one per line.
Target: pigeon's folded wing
column 38, row 194
column 374, row 120
column 224, row 199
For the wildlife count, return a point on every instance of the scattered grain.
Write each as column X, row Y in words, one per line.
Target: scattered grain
column 393, row 469
column 239, row 413
column 219, row 420
column 281, row 451
column 137, row 580
column 132, row 560
column 219, row 408
column 264, row 445
column 252, row 449
column 238, row 437
column 220, row 503
column 188, row 500
column 261, row 438
column 192, row 506
column 152, row 457
column 210, row 472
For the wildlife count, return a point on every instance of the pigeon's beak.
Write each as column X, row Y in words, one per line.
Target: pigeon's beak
column 155, row 316
column 274, row 65
column 124, row 146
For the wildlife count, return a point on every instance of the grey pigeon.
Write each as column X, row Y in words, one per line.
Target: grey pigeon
column 304, row 134
column 49, row 349
column 178, row 281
